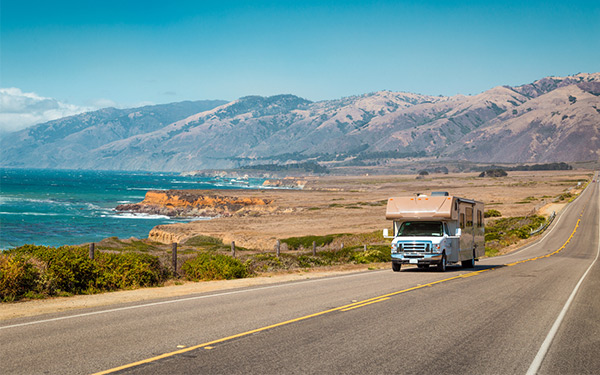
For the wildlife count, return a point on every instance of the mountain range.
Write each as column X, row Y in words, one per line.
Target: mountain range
column 554, row 119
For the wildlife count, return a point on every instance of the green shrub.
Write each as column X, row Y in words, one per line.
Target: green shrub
column 507, row 231
column 128, row 270
column 17, row 277
column 203, row 241
column 380, row 254
column 492, row 213
column 308, row 261
column 295, row 243
column 68, row 270
column 210, row 266
column 564, row 196
column 344, row 255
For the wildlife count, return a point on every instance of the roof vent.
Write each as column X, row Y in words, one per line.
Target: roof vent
column 439, row 194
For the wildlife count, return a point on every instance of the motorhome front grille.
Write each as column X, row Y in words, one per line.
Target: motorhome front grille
column 420, row 247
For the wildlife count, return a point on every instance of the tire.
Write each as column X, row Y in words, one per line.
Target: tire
column 441, row 267
column 396, row 267
column 469, row 263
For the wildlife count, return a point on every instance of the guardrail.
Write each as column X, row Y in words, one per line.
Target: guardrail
column 544, row 225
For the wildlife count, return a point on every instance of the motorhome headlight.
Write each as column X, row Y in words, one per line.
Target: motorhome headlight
column 436, row 247
column 394, row 248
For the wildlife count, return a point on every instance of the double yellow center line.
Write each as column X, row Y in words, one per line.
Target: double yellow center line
column 352, row 306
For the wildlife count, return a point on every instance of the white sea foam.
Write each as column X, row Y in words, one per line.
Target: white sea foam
column 30, row 213
column 131, row 215
column 92, row 206
column 144, row 189
column 26, row 200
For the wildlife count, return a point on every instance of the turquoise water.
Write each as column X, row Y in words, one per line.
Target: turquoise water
column 68, row 207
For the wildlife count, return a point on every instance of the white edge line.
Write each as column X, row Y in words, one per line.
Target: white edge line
column 537, row 361
column 292, row 283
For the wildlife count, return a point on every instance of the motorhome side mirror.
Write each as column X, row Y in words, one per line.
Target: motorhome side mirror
column 458, row 232
column 385, row 232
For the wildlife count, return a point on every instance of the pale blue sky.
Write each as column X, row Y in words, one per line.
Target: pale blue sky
column 87, row 53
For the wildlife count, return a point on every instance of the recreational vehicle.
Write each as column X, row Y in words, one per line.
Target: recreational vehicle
column 435, row 230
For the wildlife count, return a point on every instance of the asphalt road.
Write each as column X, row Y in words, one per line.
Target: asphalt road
column 494, row 319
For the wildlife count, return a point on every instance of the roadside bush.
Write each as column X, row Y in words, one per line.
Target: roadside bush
column 492, row 213
column 17, row 277
column 128, row 270
column 207, row 266
column 39, row 270
column 66, row 269
column 308, row 261
column 344, row 255
column 507, row 231
column 295, row 243
column 564, row 196
column 373, row 255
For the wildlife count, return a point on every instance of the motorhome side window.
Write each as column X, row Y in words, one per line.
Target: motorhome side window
column 469, row 211
column 462, row 221
column 479, row 219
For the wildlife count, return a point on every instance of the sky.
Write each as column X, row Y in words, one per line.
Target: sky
column 63, row 57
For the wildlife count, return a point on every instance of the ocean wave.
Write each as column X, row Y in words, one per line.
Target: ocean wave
column 144, row 189
column 92, row 206
column 186, row 182
column 30, row 213
column 26, row 200
column 131, row 215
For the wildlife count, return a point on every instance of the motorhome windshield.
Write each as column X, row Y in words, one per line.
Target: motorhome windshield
column 421, row 228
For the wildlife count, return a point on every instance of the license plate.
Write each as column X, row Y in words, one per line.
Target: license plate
column 413, row 261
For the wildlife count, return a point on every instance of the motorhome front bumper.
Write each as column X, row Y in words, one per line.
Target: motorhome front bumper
column 416, row 258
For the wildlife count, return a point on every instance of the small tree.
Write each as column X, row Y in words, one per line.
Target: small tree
column 494, row 173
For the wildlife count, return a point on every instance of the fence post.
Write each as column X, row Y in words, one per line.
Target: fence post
column 92, row 249
column 174, row 257
column 278, row 248
column 233, row 249
column 342, row 246
column 365, row 247
column 314, row 248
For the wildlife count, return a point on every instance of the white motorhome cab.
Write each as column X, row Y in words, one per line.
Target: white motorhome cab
column 435, row 230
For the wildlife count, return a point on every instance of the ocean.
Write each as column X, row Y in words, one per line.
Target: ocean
column 71, row 207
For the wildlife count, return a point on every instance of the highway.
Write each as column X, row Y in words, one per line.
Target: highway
column 533, row 311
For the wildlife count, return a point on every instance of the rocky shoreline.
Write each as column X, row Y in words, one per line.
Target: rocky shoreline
column 196, row 203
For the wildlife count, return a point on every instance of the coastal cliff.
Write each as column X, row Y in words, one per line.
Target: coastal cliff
column 196, row 203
